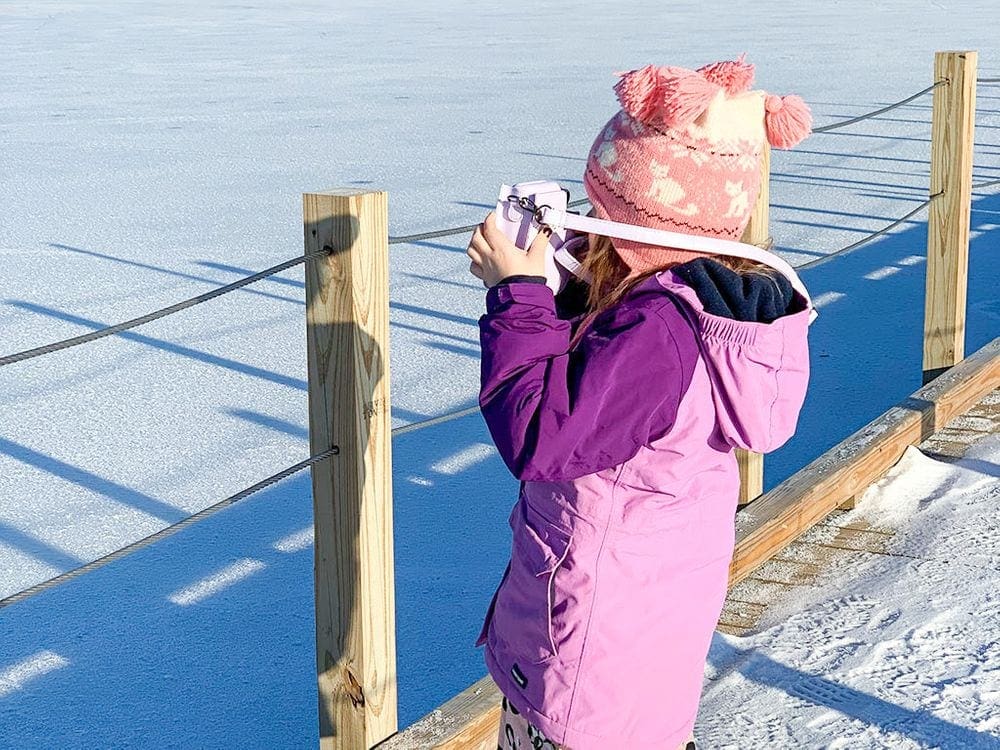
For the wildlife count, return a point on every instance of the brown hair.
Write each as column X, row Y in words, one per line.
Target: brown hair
column 610, row 280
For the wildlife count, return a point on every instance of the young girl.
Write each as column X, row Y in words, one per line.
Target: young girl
column 619, row 404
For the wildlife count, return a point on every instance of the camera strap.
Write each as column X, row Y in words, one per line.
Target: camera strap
column 559, row 220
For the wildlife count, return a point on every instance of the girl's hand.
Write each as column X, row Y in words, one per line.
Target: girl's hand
column 494, row 257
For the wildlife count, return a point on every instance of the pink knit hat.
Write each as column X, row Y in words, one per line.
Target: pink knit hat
column 684, row 154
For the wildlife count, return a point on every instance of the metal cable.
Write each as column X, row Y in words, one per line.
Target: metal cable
column 157, row 314
column 823, row 129
column 402, row 430
column 988, row 80
column 111, row 330
column 458, row 230
column 167, row 531
column 865, row 240
column 211, row 511
column 877, row 112
column 413, row 426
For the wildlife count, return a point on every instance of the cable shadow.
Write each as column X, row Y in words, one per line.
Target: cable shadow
column 247, row 272
column 408, row 415
column 876, row 136
column 441, row 246
column 92, row 482
column 848, row 155
column 161, row 269
column 552, row 156
column 419, row 329
column 840, row 227
column 36, row 548
column 447, row 282
column 829, row 212
column 450, row 317
column 865, row 170
column 271, row 423
column 927, row 123
column 474, row 204
column 834, row 181
column 179, row 349
column 461, row 350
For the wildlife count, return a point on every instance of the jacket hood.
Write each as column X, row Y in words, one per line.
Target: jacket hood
column 759, row 371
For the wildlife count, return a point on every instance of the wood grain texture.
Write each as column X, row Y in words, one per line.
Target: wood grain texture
column 347, row 328
column 469, row 721
column 757, row 232
column 952, row 137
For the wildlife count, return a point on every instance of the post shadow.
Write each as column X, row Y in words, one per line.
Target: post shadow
column 347, row 314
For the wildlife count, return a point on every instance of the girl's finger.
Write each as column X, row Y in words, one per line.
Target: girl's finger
column 476, row 270
column 492, row 233
column 480, row 245
column 540, row 242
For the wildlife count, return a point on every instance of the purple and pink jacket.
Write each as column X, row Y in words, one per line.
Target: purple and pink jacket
column 625, row 524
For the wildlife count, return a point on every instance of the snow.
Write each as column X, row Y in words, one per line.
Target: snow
column 152, row 150
column 884, row 650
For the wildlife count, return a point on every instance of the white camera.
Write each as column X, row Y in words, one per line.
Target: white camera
column 519, row 208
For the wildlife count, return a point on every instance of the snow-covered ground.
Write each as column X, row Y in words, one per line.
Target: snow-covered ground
column 152, row 150
column 896, row 650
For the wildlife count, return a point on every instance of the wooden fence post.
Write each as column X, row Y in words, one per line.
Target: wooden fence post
column 952, row 126
column 758, row 232
column 347, row 327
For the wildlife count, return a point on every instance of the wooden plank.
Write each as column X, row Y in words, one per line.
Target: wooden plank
column 952, row 137
column 347, row 328
column 772, row 522
column 757, row 232
column 469, row 721
column 849, row 503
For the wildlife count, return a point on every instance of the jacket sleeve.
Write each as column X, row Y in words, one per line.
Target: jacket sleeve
column 557, row 415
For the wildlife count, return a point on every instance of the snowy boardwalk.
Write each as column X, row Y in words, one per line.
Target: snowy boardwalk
column 844, row 531
column 878, row 628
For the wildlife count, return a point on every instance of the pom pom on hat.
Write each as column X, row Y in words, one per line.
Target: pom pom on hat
column 669, row 96
column 640, row 93
column 787, row 120
column 686, row 94
column 735, row 76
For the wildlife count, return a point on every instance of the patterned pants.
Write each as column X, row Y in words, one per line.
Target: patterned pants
column 517, row 733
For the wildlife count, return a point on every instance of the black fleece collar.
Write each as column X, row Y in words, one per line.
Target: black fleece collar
column 754, row 297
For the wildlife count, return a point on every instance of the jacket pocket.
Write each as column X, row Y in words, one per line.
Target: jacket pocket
column 522, row 614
